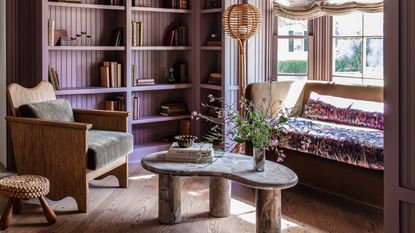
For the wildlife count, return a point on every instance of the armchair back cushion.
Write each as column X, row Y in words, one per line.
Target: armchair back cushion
column 58, row 110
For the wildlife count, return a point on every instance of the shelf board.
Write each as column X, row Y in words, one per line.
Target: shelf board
column 89, row 90
column 211, row 47
column 151, row 147
column 161, row 10
column 159, row 87
column 213, row 10
column 89, row 6
column 88, row 48
column 155, row 119
column 211, row 87
column 161, row 48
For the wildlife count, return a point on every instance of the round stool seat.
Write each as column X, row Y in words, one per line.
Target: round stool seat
column 24, row 186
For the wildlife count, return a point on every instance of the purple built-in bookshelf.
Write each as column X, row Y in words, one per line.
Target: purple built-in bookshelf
column 78, row 66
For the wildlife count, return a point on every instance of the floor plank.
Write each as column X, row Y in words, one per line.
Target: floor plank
column 135, row 209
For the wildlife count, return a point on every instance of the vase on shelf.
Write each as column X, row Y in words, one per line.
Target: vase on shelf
column 258, row 155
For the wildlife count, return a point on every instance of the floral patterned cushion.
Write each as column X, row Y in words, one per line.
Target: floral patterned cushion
column 343, row 110
column 359, row 146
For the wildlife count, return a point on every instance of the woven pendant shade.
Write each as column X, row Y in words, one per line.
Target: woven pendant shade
column 241, row 22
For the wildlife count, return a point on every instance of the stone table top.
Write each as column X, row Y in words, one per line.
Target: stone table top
column 230, row 166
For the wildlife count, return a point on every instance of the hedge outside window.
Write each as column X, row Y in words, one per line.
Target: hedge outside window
column 291, row 41
column 358, row 48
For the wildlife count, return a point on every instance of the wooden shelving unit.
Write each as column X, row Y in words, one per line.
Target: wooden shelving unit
column 78, row 66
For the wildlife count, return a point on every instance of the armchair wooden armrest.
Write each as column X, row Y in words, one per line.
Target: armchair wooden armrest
column 49, row 123
column 103, row 120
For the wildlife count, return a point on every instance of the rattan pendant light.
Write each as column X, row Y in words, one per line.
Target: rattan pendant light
column 241, row 22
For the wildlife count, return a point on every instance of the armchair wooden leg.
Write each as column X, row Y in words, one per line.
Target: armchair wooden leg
column 49, row 214
column 17, row 206
column 122, row 175
column 81, row 197
column 6, row 218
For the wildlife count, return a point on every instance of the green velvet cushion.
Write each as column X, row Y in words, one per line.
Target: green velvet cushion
column 58, row 110
column 105, row 147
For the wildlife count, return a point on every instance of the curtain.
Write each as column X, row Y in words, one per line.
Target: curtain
column 322, row 49
column 310, row 9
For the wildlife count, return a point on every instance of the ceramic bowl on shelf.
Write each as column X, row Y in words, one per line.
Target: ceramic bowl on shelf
column 185, row 141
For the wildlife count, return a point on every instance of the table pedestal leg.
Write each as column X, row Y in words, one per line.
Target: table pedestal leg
column 169, row 199
column 219, row 197
column 268, row 211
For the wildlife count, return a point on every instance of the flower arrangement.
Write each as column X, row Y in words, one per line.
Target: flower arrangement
column 256, row 124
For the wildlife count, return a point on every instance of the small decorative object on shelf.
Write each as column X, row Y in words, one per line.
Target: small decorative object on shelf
column 197, row 153
column 171, row 78
column 185, row 127
column 185, row 141
column 255, row 124
column 60, row 37
column 214, row 40
column 173, row 109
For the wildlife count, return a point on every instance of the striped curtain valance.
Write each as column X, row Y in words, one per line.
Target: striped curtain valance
column 310, row 9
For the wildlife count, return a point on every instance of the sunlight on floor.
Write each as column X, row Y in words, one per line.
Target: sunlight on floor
column 247, row 213
column 142, row 177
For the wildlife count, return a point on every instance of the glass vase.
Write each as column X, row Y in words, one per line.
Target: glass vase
column 259, row 159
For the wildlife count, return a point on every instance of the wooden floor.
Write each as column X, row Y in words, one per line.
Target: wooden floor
column 135, row 210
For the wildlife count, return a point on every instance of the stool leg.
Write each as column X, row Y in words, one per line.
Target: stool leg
column 6, row 218
column 17, row 206
column 49, row 214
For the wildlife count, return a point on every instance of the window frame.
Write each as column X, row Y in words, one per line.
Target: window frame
column 363, row 38
column 275, row 38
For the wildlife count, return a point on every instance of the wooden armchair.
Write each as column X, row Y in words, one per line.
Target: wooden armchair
column 58, row 149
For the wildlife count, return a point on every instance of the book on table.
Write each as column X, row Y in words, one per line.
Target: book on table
column 197, row 153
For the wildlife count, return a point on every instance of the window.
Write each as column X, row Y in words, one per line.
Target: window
column 358, row 48
column 291, row 41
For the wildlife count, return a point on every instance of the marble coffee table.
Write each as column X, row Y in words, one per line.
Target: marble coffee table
column 222, row 171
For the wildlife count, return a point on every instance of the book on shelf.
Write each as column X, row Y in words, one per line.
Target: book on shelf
column 134, row 74
column 177, row 4
column 136, row 107
column 145, row 81
column 111, row 74
column 198, row 152
column 51, row 32
column 215, row 79
column 173, row 109
column 177, row 37
column 116, row 103
column 137, row 34
column 54, row 78
column 181, row 72
column 115, row 2
column 118, row 35
column 214, row 43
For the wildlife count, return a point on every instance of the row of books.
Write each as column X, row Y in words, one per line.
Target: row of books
column 181, row 73
column 116, row 103
column 197, row 153
column 54, row 78
column 136, row 107
column 215, row 79
column 115, row 2
column 178, row 4
column 111, row 74
column 137, row 33
column 177, row 37
column 173, row 109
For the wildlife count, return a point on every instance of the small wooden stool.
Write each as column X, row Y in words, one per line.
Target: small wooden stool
column 24, row 187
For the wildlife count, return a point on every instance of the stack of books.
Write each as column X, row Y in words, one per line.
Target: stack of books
column 111, row 74
column 145, row 81
column 214, row 40
column 177, row 37
column 178, row 4
column 197, row 153
column 173, row 109
column 137, row 34
column 215, row 79
column 54, row 78
column 116, row 103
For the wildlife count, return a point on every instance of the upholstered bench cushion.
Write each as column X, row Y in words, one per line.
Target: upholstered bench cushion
column 58, row 110
column 105, row 147
column 355, row 145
